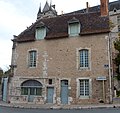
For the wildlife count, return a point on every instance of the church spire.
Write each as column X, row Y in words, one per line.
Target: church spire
column 39, row 9
column 39, row 12
column 46, row 7
column 47, row 12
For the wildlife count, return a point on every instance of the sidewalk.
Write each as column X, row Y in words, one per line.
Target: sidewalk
column 51, row 106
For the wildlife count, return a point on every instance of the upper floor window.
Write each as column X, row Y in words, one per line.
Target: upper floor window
column 73, row 27
column 32, row 58
column 118, row 20
column 84, row 58
column 118, row 28
column 40, row 32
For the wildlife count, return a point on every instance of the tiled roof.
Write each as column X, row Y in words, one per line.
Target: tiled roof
column 57, row 27
column 112, row 5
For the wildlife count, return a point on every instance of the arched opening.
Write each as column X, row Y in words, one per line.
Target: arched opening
column 31, row 88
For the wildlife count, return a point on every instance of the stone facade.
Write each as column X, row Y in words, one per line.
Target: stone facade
column 61, row 64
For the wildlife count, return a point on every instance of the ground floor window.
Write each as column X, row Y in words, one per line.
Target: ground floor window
column 31, row 87
column 84, row 87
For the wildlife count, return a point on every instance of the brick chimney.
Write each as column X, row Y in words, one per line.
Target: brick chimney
column 104, row 7
column 87, row 7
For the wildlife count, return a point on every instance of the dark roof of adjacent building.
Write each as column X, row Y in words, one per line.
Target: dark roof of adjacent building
column 112, row 5
column 57, row 27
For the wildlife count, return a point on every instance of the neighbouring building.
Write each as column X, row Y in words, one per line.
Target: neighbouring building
column 62, row 59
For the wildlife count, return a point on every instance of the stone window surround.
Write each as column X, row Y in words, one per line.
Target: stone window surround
column 40, row 28
column 78, row 88
column 72, row 23
column 78, row 59
column 28, row 57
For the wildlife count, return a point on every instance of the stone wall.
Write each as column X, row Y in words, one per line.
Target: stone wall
column 57, row 59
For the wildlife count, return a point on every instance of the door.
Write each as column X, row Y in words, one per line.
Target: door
column 31, row 94
column 4, row 93
column 64, row 92
column 50, row 93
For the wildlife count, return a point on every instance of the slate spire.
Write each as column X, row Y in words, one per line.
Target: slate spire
column 46, row 7
column 47, row 12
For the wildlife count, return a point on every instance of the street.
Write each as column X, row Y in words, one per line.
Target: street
column 19, row 110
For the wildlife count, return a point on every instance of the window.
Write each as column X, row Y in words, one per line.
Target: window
column 119, row 28
column 74, row 29
column 31, row 87
column 84, row 88
column 84, row 58
column 50, row 81
column 24, row 91
column 32, row 58
column 118, row 20
column 40, row 32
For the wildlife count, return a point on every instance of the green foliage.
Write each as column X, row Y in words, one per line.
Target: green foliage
column 1, row 74
column 8, row 72
column 118, row 93
column 117, row 59
column 111, row 25
column 117, row 45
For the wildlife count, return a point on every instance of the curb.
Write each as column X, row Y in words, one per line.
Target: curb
column 60, row 106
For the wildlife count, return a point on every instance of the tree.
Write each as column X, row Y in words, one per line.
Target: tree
column 117, row 59
column 1, row 74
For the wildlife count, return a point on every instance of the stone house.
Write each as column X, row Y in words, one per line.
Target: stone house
column 62, row 59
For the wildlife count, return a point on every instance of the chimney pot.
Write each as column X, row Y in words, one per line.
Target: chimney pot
column 87, row 7
column 104, row 7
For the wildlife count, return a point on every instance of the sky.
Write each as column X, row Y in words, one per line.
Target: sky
column 17, row 15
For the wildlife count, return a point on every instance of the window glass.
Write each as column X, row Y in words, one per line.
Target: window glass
column 119, row 28
column 40, row 33
column 84, row 60
column 31, row 87
column 50, row 81
column 74, row 29
column 84, row 87
column 118, row 20
column 24, row 91
column 32, row 58
column 39, row 91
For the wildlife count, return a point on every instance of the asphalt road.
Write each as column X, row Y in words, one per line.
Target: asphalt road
column 19, row 110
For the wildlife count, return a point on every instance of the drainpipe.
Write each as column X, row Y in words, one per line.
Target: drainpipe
column 110, row 73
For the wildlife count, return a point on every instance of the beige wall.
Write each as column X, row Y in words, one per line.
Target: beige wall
column 62, row 63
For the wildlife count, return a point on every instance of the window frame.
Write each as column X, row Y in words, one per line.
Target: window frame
column 75, row 25
column 78, row 59
column 118, row 19
column 32, row 60
column 83, row 53
column 90, row 88
column 38, row 30
column 26, row 89
column 118, row 28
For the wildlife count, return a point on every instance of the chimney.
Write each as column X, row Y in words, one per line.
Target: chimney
column 104, row 7
column 87, row 7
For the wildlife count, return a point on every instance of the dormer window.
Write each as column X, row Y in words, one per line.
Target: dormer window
column 74, row 27
column 40, row 33
column 115, row 10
